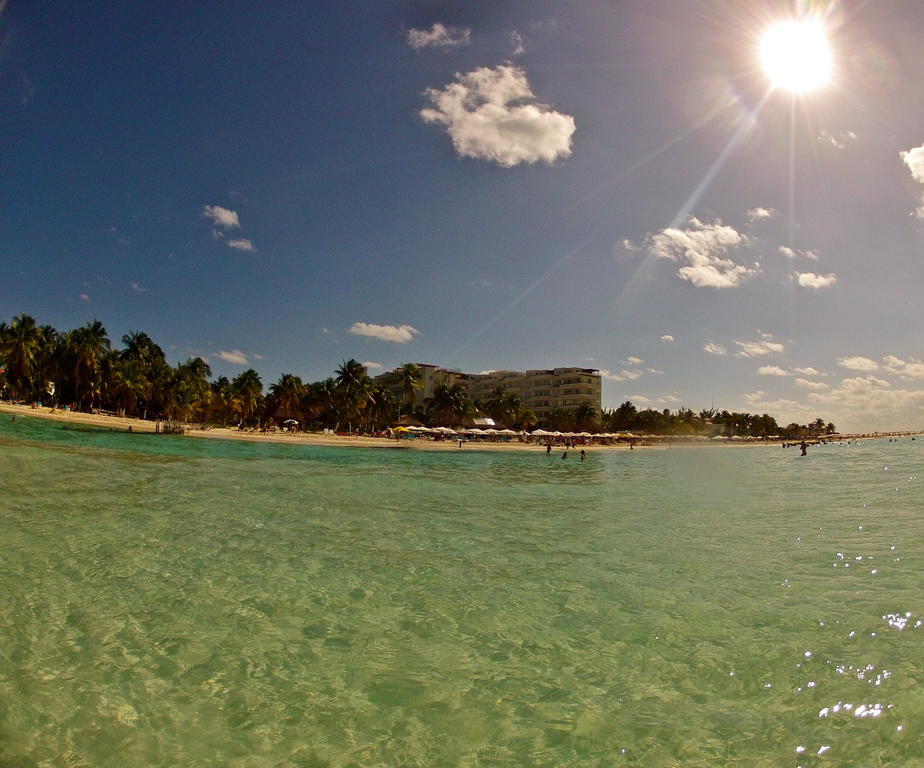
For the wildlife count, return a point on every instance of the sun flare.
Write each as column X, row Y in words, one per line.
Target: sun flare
column 796, row 55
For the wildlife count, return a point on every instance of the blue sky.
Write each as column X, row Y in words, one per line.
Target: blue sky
column 605, row 183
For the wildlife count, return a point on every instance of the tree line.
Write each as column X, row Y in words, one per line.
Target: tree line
column 82, row 369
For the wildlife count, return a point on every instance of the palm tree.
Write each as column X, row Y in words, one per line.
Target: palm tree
column 20, row 346
column 411, row 384
column 248, row 390
column 585, row 416
column 87, row 345
column 450, row 405
column 285, row 400
column 354, row 388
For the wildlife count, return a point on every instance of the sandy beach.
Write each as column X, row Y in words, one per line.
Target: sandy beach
column 344, row 441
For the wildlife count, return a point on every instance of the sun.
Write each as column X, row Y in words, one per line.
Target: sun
column 796, row 55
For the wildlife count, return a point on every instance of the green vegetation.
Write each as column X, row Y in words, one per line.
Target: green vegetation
column 80, row 368
column 712, row 422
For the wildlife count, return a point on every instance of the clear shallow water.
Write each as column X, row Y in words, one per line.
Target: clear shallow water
column 181, row 602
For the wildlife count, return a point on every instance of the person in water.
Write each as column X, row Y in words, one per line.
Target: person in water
column 583, row 455
column 804, row 448
column 565, row 455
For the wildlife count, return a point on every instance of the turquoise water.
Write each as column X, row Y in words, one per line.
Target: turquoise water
column 169, row 601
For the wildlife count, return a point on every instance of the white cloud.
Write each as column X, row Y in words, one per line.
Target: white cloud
column 869, row 402
column 714, row 349
column 242, row 244
column 370, row 365
column 399, row 334
column 667, row 338
column 640, row 399
column 808, row 372
column 221, row 217
column 232, row 356
column 812, row 385
column 811, row 280
column 517, row 41
column 772, row 370
column 325, row 330
column 756, row 214
column 792, row 253
column 839, row 140
column 914, row 159
column 910, row 370
column 758, row 348
column 669, row 400
column 628, row 245
column 84, row 297
column 632, row 360
column 438, row 36
column 702, row 249
column 492, row 114
column 138, row 288
column 858, row 363
column 623, row 375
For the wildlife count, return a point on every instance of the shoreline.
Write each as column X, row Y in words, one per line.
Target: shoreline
column 343, row 441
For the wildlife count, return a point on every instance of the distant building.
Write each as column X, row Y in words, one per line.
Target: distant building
column 543, row 390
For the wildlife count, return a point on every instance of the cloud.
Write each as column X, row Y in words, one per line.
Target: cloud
column 813, row 281
column 84, row 297
column 232, row 356
column 399, row 334
column 808, row 372
column 632, row 360
column 667, row 338
column 640, row 399
column 758, row 348
column 702, row 249
column 628, row 245
column 910, row 370
column 756, row 214
column 792, row 253
column 517, row 41
column 858, row 363
column 812, row 385
column 138, row 288
column 242, row 245
column 714, row 349
column 868, row 402
column 325, row 330
column 838, row 141
column 369, row 365
column 914, row 159
column 492, row 114
column 438, row 36
column 221, row 217
column 772, row 370
column 669, row 400
column 623, row 375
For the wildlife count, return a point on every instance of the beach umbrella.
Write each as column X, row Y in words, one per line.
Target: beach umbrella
column 540, row 433
column 290, row 421
column 584, row 434
column 476, row 431
column 506, row 432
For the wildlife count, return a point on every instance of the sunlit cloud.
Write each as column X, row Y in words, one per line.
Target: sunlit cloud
column 772, row 370
column 811, row 385
column 808, row 371
column 232, row 356
column 84, row 297
column 623, row 375
column 438, row 36
column 792, row 253
column 760, row 348
column 492, row 114
column 243, row 244
column 138, row 288
column 518, row 43
column 221, row 217
column 702, row 250
column 667, row 338
column 399, row 334
column 914, row 159
column 813, row 281
column 759, row 213
column 858, row 363
column 910, row 370
column 632, row 360
column 837, row 140
column 714, row 349
column 370, row 365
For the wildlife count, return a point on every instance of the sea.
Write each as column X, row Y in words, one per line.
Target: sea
column 170, row 601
